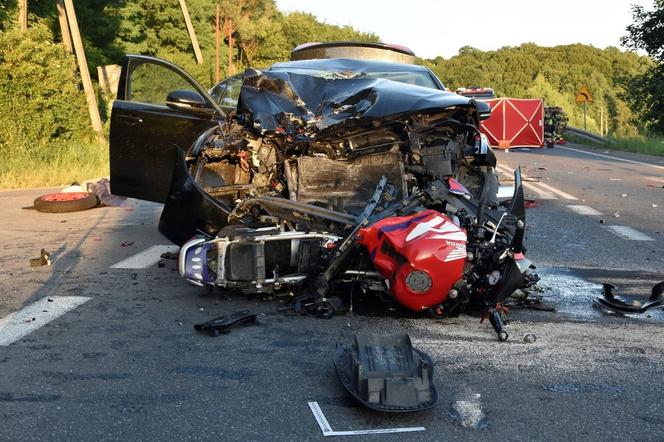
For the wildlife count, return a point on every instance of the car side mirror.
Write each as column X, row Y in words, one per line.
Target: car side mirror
column 483, row 110
column 186, row 100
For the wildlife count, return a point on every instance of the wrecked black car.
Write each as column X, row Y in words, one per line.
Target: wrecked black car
column 327, row 175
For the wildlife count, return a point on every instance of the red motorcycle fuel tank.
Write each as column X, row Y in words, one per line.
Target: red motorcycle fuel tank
column 421, row 255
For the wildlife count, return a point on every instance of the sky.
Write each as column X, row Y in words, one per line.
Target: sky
column 432, row 28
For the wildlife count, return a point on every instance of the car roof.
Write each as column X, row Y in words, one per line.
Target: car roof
column 347, row 64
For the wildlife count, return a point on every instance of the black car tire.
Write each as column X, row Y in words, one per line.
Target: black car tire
column 65, row 202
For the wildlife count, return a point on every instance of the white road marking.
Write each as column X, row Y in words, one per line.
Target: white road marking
column 585, row 210
column 612, row 158
column 557, row 191
column 18, row 324
column 145, row 259
column 626, row 232
column 533, row 186
column 541, row 194
column 505, row 192
column 327, row 430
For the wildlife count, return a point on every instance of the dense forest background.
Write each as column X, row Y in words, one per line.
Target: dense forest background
column 42, row 105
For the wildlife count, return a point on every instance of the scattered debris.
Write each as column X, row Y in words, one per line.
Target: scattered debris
column 43, row 260
column 601, row 221
column 385, row 373
column 542, row 168
column 616, row 214
column 102, row 188
column 529, row 338
column 467, row 411
column 608, row 301
column 169, row 255
column 74, row 188
column 222, row 324
column 623, row 195
column 527, row 301
column 655, row 185
column 528, row 203
column 161, row 263
column 615, row 179
column 127, row 244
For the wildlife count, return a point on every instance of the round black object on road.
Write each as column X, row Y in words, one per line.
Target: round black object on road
column 65, row 202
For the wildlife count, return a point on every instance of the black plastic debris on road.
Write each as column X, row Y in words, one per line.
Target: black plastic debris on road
column 43, row 260
column 385, row 373
column 609, row 301
column 223, row 324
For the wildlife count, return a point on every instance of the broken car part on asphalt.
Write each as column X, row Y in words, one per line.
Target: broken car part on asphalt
column 385, row 373
column 328, row 176
column 43, row 260
column 223, row 324
column 608, row 301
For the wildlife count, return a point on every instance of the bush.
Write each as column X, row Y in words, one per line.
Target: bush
column 40, row 98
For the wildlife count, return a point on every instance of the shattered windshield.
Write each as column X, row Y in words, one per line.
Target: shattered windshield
column 409, row 77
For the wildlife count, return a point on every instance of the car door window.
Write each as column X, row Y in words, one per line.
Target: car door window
column 232, row 93
column 151, row 83
column 217, row 92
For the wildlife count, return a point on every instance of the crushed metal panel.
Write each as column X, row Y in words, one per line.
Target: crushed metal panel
column 322, row 179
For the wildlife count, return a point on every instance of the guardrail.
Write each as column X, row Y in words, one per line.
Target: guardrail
column 588, row 135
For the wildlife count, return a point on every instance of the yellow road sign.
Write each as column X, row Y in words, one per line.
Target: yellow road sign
column 584, row 95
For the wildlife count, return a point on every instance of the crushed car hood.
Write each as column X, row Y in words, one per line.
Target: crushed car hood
column 291, row 102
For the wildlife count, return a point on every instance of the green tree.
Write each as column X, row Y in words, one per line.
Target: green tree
column 554, row 74
column 301, row 27
column 40, row 100
column 645, row 92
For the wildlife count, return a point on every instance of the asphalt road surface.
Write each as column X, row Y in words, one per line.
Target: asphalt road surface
column 107, row 349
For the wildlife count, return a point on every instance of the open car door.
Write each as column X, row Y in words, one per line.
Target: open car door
column 159, row 109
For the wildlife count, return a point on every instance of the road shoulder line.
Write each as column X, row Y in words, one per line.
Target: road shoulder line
column 584, row 210
column 36, row 315
column 626, row 232
column 625, row 160
column 146, row 258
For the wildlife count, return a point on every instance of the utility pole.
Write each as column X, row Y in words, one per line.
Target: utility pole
column 83, row 67
column 217, row 42
column 23, row 14
column 192, row 33
column 228, row 29
column 64, row 27
column 585, row 126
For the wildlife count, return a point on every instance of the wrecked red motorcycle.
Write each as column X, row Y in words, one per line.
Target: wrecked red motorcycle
column 324, row 179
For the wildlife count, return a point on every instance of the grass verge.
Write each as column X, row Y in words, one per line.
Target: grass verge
column 647, row 145
column 652, row 145
column 67, row 162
